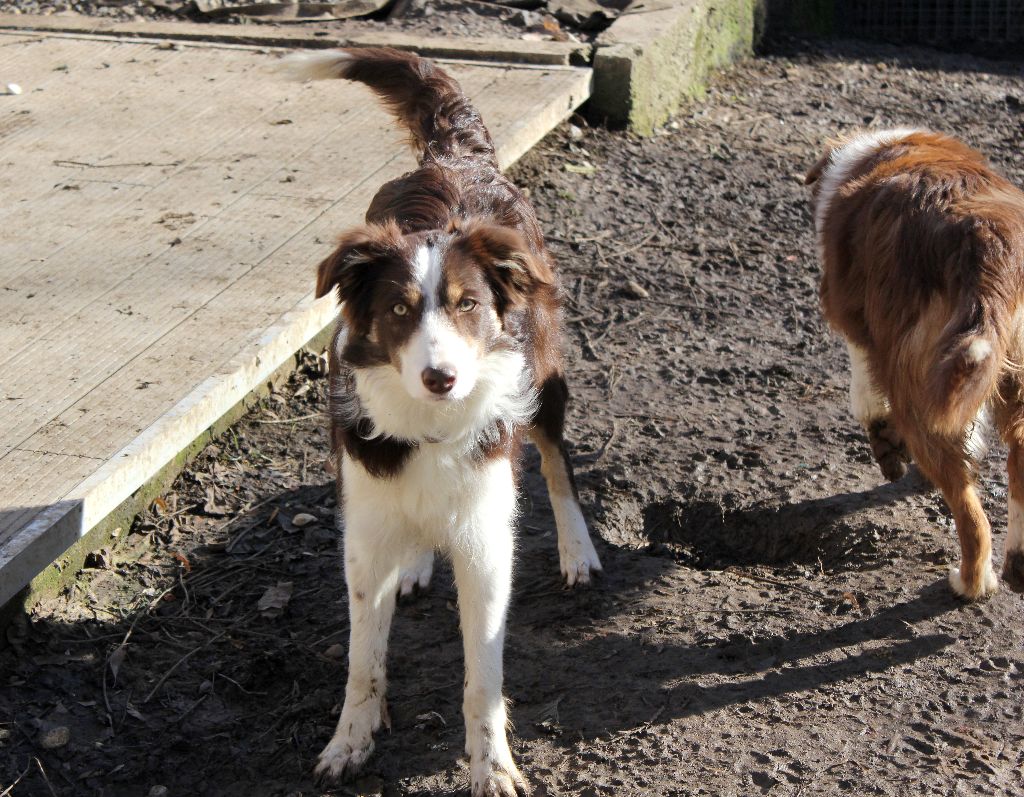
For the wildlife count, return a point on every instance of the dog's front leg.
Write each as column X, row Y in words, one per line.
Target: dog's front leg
column 372, row 562
column 482, row 559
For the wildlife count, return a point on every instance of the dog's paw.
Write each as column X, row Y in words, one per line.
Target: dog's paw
column 417, row 576
column 343, row 757
column 888, row 449
column 491, row 779
column 1013, row 570
column 981, row 587
column 578, row 560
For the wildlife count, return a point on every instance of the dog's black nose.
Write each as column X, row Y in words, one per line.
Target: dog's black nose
column 438, row 380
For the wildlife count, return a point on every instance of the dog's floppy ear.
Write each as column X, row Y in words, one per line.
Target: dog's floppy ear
column 818, row 168
column 351, row 267
column 514, row 272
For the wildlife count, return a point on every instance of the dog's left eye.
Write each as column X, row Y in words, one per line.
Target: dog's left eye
column 467, row 304
column 399, row 309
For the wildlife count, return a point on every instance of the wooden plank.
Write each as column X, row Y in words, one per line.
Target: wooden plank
column 214, row 183
column 204, row 321
column 122, row 321
column 518, row 51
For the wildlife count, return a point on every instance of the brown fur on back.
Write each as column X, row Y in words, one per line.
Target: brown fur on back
column 923, row 249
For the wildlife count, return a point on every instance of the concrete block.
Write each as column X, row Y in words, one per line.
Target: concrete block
column 658, row 55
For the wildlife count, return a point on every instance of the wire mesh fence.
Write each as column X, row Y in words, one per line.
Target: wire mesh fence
column 941, row 22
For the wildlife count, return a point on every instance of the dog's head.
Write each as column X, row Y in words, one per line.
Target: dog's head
column 434, row 304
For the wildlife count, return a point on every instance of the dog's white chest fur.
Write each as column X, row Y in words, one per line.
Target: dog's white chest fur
column 438, row 492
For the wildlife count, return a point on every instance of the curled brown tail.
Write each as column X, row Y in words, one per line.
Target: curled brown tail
column 427, row 100
column 965, row 372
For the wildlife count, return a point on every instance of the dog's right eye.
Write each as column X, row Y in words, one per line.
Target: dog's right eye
column 400, row 309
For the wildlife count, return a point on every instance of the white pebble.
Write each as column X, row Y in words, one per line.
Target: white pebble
column 13, row 88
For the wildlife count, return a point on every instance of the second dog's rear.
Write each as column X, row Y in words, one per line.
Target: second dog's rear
column 923, row 250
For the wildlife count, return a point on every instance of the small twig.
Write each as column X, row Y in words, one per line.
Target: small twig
column 10, row 788
column 45, row 776
column 295, row 420
column 774, row 581
column 588, row 344
column 628, row 250
column 179, row 662
column 106, row 699
column 190, row 709
column 608, row 442
column 83, row 165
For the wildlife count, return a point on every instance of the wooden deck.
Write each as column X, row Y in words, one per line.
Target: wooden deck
column 162, row 214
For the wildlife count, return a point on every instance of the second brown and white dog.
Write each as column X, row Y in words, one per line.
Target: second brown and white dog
column 923, row 250
column 446, row 353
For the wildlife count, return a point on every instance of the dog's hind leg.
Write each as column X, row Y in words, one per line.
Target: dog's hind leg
column 482, row 555
column 871, row 408
column 577, row 557
column 1013, row 560
column 1011, row 420
column 373, row 557
column 947, row 465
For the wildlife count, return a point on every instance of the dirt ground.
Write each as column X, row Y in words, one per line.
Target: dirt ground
column 773, row 619
column 536, row 19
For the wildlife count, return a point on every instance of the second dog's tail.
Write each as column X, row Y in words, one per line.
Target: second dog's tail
column 423, row 97
column 967, row 360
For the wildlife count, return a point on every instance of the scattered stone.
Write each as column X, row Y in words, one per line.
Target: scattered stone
column 55, row 738
column 634, row 290
column 303, row 519
column 336, row 651
column 525, row 19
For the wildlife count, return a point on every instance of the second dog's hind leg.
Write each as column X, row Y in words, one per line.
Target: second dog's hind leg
column 871, row 408
column 946, row 464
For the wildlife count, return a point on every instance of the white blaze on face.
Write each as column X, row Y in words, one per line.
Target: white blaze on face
column 436, row 343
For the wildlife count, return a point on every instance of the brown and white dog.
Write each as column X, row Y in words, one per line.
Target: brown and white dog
column 446, row 354
column 923, row 250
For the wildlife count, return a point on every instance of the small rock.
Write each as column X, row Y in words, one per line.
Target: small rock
column 55, row 737
column 635, row 290
column 575, row 133
column 13, row 88
column 159, row 791
column 336, row 651
column 303, row 519
column 525, row 19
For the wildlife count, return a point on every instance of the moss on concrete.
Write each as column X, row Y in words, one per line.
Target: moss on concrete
column 647, row 64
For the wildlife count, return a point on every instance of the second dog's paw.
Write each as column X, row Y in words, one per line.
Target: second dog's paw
column 888, row 449
column 985, row 586
column 1013, row 570
column 578, row 561
column 342, row 758
column 417, row 576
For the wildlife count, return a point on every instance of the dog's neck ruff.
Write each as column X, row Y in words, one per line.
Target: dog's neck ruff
column 373, row 402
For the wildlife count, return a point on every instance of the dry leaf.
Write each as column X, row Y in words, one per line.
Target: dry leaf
column 275, row 599
column 117, row 659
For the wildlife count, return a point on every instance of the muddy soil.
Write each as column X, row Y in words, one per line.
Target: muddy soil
column 773, row 619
